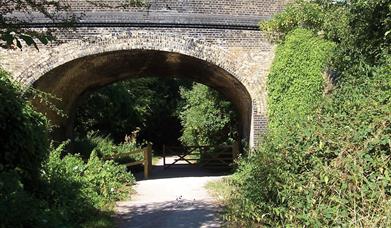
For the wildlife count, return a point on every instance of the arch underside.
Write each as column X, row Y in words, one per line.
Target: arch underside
column 77, row 77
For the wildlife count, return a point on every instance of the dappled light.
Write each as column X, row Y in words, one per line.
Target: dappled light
column 175, row 213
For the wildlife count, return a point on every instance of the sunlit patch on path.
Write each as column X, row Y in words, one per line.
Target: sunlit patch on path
column 174, row 197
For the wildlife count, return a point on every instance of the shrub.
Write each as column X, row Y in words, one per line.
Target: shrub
column 80, row 190
column 66, row 190
column 108, row 179
column 18, row 207
column 105, row 147
column 23, row 142
column 361, row 28
column 42, row 190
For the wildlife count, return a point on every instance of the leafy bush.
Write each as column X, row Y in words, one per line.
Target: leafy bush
column 105, row 147
column 18, row 207
column 361, row 28
column 66, row 191
column 23, row 142
column 108, row 179
column 207, row 118
column 79, row 190
column 38, row 190
column 71, row 193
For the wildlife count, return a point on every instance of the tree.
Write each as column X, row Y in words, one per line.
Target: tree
column 207, row 118
column 361, row 28
column 147, row 104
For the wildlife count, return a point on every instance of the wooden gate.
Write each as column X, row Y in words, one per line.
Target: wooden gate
column 215, row 157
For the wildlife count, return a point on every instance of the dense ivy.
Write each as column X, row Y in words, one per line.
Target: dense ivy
column 295, row 84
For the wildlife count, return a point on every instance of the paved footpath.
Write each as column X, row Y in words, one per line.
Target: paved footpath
column 174, row 197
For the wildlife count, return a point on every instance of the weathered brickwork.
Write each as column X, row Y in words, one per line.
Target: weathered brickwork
column 236, row 62
column 227, row 7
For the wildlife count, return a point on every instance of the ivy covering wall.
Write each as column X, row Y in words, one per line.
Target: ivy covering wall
column 326, row 158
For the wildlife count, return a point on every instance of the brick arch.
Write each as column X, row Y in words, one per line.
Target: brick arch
column 60, row 55
column 199, row 49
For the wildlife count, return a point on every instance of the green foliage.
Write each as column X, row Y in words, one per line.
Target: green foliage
column 18, row 208
column 322, row 17
column 295, row 87
column 104, row 147
column 148, row 104
column 154, row 107
column 368, row 33
column 110, row 181
column 23, row 142
column 66, row 190
column 12, row 35
column 207, row 118
column 79, row 190
column 361, row 28
column 38, row 190
column 71, row 193
column 116, row 110
column 295, row 84
column 325, row 159
column 306, row 14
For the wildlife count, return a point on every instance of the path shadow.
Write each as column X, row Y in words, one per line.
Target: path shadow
column 181, row 170
column 170, row 214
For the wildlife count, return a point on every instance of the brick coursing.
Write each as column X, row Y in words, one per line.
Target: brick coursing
column 228, row 7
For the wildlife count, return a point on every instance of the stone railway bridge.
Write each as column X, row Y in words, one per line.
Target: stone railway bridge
column 216, row 43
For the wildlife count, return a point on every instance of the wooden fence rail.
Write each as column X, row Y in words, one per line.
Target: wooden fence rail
column 223, row 155
column 147, row 159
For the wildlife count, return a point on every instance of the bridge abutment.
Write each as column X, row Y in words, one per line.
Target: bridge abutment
column 226, row 52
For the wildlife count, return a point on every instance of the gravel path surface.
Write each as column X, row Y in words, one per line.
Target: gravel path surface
column 173, row 197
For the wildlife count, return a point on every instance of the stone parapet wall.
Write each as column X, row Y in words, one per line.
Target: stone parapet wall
column 172, row 18
column 226, row 7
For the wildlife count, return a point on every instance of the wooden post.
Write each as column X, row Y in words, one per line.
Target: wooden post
column 164, row 156
column 147, row 161
column 235, row 149
column 150, row 157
